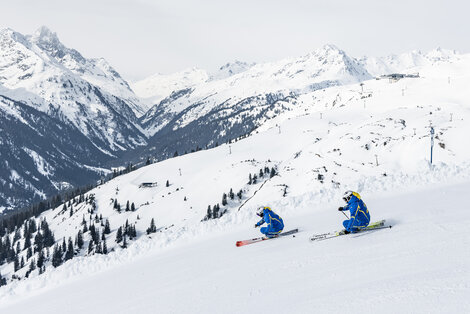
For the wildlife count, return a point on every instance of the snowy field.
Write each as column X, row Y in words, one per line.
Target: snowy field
column 421, row 265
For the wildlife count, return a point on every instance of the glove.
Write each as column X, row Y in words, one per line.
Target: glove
column 340, row 209
column 256, row 226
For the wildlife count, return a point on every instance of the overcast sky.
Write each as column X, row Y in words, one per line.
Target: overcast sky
column 143, row 37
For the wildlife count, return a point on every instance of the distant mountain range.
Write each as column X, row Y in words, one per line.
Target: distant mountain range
column 64, row 118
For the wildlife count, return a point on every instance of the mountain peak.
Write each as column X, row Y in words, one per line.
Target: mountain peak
column 231, row 68
column 45, row 35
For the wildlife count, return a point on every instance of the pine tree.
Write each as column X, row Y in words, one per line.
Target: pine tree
column 261, row 174
column 22, row 262
column 32, row 265
column 69, row 254
column 38, row 242
column 273, row 172
column 124, row 242
column 250, row 179
column 224, row 199
column 90, row 247
column 231, row 194
column 152, row 227
column 79, row 240
column 255, row 178
column 98, row 248
column 27, row 242
column 209, row 212
column 167, row 183
column 57, row 256
column 16, row 263
column 128, row 208
column 119, row 235
column 107, row 229
column 105, row 247
column 3, row 281
column 32, row 225
column 133, row 207
column 29, row 253
column 40, row 261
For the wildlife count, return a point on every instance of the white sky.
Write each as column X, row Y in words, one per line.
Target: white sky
column 143, row 37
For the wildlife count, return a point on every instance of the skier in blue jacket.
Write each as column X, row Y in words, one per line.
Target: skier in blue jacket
column 274, row 222
column 360, row 216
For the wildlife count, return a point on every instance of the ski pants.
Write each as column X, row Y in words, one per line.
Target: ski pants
column 357, row 225
column 270, row 231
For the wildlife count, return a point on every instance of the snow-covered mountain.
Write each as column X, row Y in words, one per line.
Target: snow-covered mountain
column 40, row 71
column 43, row 83
column 41, row 155
column 220, row 110
column 408, row 62
column 376, row 142
column 157, row 87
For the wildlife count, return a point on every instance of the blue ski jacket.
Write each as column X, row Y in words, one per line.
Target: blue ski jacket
column 360, row 216
column 275, row 223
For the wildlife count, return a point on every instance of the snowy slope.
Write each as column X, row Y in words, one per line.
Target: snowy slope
column 418, row 266
column 375, row 142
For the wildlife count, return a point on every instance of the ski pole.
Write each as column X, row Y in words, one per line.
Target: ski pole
column 345, row 214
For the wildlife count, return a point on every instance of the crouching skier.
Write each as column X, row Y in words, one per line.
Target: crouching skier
column 360, row 216
column 274, row 222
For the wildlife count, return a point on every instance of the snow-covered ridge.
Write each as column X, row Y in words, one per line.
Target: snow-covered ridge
column 408, row 62
column 256, row 87
column 230, row 69
column 159, row 86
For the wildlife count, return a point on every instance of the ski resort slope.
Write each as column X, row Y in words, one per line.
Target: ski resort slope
column 421, row 265
column 372, row 138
